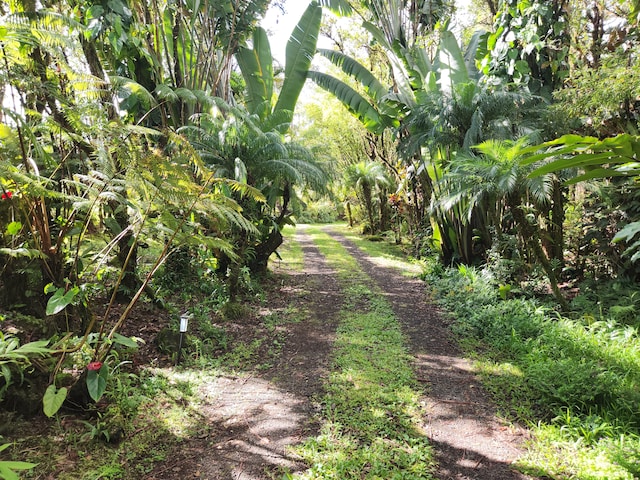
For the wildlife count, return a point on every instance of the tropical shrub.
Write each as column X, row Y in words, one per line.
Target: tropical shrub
column 15, row 359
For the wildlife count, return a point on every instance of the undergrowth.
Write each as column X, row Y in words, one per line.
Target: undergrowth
column 143, row 418
column 147, row 411
column 371, row 410
column 576, row 382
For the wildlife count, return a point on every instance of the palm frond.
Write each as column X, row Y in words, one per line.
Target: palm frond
column 355, row 103
column 42, row 28
column 242, row 188
column 127, row 87
column 354, row 69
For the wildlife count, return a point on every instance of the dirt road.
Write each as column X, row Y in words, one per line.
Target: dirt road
column 252, row 420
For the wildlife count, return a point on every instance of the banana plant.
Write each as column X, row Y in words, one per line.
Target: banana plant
column 256, row 65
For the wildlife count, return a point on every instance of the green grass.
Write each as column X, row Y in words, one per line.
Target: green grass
column 371, row 411
column 382, row 253
column 290, row 251
column 574, row 382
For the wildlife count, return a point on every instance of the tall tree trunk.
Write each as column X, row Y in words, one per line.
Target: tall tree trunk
column 493, row 6
column 95, row 67
column 556, row 227
column 385, row 214
column 349, row 215
column 553, row 233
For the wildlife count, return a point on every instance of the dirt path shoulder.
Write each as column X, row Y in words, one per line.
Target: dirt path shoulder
column 469, row 442
column 251, row 420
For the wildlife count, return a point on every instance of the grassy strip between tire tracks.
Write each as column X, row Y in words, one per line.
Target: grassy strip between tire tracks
column 372, row 410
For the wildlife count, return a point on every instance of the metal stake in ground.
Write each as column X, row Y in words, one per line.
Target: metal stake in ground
column 184, row 324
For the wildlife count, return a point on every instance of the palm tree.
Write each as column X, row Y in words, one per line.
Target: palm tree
column 368, row 178
column 237, row 145
column 496, row 178
column 251, row 141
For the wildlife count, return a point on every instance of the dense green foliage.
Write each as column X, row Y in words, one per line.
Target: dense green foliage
column 154, row 153
column 106, row 176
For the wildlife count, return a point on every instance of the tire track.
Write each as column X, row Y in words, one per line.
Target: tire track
column 469, row 441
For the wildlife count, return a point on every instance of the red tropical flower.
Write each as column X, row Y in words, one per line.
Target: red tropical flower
column 8, row 194
column 94, row 366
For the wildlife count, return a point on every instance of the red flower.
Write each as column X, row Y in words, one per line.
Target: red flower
column 395, row 200
column 94, row 366
column 7, row 195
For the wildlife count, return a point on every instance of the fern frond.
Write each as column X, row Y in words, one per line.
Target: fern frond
column 126, row 86
column 243, row 189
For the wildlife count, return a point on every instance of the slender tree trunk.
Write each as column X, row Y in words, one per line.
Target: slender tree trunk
column 384, row 211
column 127, row 247
column 493, row 6
column 531, row 237
column 349, row 215
column 127, row 258
column 95, row 67
column 553, row 234
column 368, row 202
column 556, row 228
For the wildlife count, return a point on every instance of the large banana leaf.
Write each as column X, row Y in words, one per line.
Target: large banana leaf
column 471, row 52
column 355, row 103
column 451, row 64
column 351, row 67
column 301, row 48
column 400, row 74
column 420, row 69
column 339, row 7
column 256, row 65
